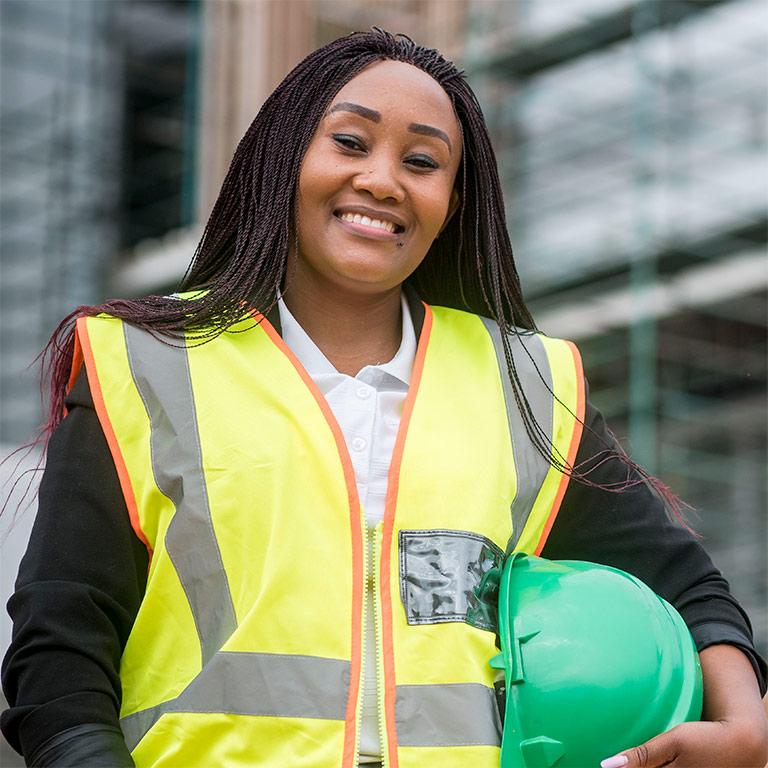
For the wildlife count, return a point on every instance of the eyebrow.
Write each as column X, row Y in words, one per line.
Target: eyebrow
column 375, row 117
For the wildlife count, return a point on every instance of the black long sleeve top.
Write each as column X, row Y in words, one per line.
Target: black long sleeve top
column 83, row 577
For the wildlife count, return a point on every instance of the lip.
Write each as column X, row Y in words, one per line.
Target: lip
column 371, row 233
column 372, row 213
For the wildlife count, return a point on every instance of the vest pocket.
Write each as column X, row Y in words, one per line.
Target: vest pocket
column 448, row 576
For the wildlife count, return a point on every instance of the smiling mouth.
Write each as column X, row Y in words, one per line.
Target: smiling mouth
column 375, row 225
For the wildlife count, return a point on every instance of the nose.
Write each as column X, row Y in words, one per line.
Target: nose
column 379, row 177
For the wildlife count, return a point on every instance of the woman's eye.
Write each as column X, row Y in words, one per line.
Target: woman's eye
column 350, row 142
column 345, row 141
column 428, row 162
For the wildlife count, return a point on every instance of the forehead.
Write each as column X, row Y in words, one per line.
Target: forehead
column 401, row 91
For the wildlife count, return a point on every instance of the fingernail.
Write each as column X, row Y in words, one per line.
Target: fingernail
column 614, row 762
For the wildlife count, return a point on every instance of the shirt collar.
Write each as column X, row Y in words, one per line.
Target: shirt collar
column 316, row 363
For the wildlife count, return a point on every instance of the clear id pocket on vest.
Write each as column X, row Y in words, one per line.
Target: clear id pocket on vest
column 449, row 576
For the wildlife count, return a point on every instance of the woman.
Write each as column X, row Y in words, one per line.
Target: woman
column 224, row 568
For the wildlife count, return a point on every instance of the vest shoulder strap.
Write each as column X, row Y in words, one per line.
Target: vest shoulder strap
column 545, row 426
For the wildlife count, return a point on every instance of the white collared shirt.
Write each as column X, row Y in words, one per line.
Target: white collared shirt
column 367, row 407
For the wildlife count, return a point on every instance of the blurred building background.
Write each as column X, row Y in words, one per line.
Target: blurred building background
column 632, row 143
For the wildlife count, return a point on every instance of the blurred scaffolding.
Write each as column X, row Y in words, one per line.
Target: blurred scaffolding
column 631, row 140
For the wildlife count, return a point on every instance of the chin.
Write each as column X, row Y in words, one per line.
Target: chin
column 361, row 271
column 368, row 284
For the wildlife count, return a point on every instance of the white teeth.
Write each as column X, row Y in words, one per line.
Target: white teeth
column 365, row 221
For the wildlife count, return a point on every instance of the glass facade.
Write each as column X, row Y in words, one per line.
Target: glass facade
column 59, row 115
column 98, row 155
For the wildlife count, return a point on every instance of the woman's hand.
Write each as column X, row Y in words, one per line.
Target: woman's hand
column 733, row 734
column 697, row 745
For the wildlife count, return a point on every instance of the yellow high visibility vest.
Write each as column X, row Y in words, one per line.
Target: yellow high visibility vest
column 248, row 646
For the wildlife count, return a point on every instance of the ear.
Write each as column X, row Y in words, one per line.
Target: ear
column 453, row 204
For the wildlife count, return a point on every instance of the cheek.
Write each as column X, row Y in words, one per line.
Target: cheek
column 319, row 185
column 314, row 172
column 434, row 207
column 310, row 196
column 307, row 185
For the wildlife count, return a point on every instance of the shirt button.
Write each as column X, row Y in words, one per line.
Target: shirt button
column 363, row 392
column 358, row 444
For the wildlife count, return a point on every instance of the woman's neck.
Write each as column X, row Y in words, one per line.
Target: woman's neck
column 352, row 331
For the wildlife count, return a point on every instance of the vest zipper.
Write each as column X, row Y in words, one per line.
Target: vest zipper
column 371, row 557
column 363, row 627
column 377, row 532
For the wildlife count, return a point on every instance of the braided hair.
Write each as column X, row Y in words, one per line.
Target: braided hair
column 242, row 256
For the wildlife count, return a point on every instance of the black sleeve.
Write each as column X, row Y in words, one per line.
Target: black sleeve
column 83, row 746
column 631, row 530
column 78, row 591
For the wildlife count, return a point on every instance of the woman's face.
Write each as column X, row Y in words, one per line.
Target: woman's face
column 388, row 148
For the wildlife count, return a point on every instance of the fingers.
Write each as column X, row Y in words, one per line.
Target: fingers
column 617, row 761
column 696, row 745
column 655, row 753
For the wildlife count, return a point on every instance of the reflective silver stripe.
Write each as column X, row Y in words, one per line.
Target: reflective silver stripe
column 530, row 465
column 161, row 374
column 449, row 715
column 257, row 684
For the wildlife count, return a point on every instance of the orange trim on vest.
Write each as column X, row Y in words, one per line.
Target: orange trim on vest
column 350, row 742
column 572, row 448
column 109, row 432
column 77, row 364
column 393, row 484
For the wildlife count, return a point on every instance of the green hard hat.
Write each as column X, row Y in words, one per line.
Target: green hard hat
column 594, row 663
